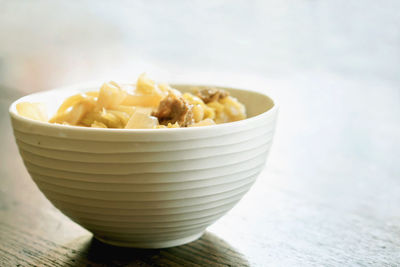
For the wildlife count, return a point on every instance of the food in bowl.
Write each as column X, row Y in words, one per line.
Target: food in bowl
column 145, row 188
column 145, row 106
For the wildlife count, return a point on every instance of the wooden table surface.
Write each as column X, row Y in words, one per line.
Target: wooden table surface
column 329, row 196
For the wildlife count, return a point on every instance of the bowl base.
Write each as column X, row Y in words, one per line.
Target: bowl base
column 152, row 244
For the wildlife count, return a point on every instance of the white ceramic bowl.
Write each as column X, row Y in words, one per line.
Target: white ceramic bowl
column 145, row 188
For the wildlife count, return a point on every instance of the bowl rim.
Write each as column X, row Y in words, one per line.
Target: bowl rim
column 14, row 114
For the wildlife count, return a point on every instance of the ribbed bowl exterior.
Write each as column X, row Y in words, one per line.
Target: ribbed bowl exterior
column 146, row 188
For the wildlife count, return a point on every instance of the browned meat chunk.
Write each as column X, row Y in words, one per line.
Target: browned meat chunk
column 174, row 109
column 211, row 94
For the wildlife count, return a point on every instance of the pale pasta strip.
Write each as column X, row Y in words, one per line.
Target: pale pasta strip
column 114, row 107
column 35, row 111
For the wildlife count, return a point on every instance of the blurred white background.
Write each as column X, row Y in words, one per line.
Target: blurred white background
column 52, row 43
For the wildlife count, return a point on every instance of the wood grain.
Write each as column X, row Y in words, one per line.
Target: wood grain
column 329, row 196
column 19, row 247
